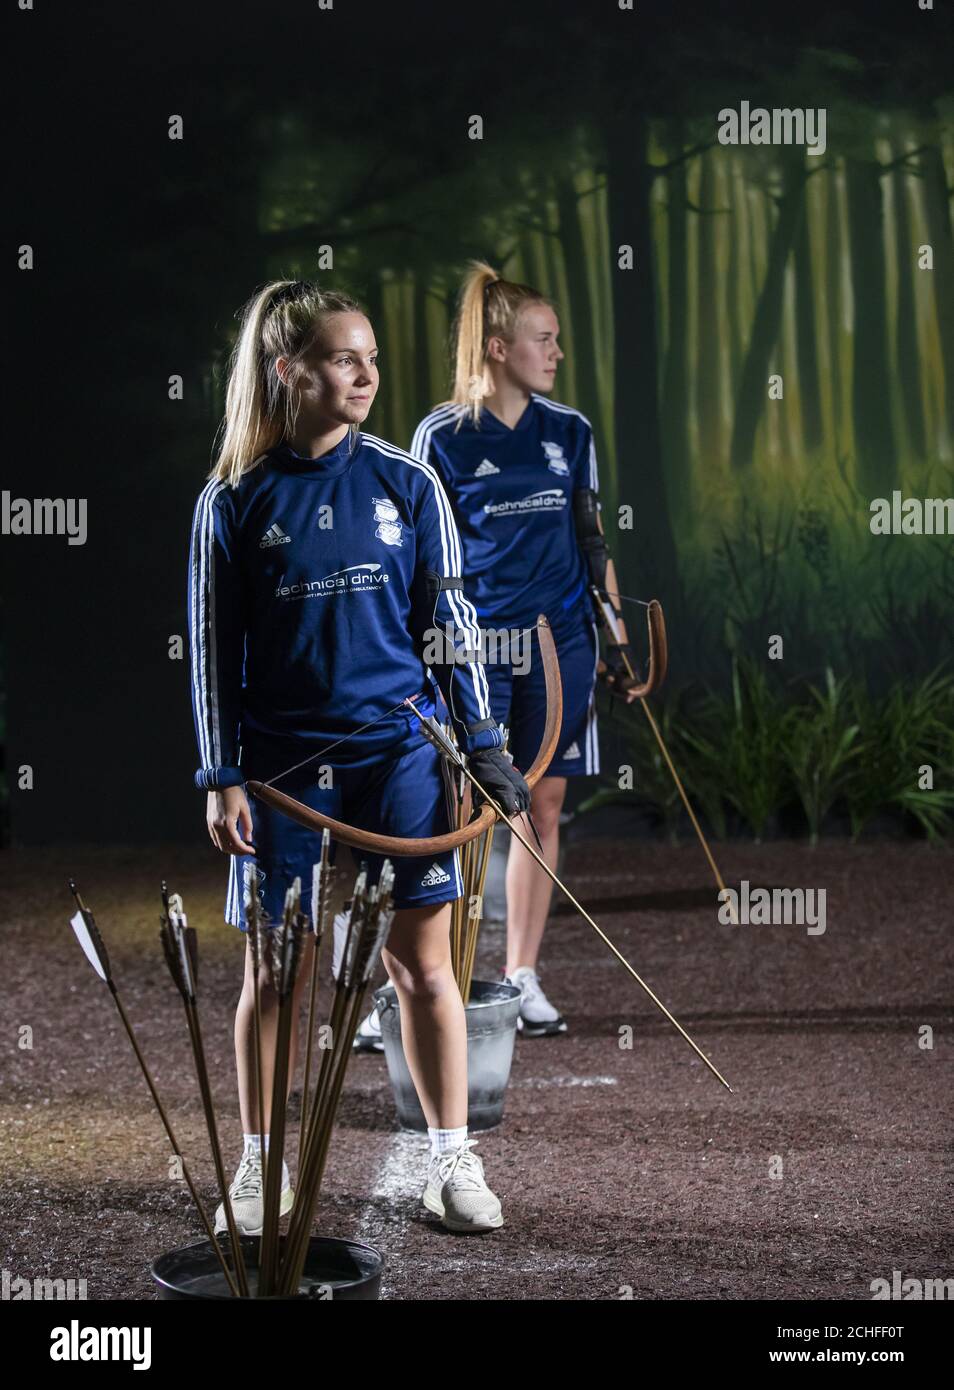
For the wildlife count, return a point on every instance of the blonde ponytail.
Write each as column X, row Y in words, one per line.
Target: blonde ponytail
column 260, row 410
column 489, row 307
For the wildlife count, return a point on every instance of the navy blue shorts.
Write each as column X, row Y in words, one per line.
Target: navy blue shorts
column 520, row 701
column 401, row 796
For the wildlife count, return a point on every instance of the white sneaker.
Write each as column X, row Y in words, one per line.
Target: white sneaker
column 247, row 1199
column 368, row 1037
column 457, row 1193
column 537, row 1018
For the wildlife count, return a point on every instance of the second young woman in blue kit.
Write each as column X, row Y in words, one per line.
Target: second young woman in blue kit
column 515, row 465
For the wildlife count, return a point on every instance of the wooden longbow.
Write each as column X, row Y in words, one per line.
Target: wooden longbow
column 437, row 844
column 433, row 844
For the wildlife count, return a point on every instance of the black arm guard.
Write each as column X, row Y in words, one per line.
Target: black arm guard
column 589, row 537
column 592, row 543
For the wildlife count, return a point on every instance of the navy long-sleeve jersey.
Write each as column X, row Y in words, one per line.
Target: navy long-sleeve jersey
column 309, row 607
column 512, row 492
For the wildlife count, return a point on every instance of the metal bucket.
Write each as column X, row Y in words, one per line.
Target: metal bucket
column 333, row 1269
column 491, row 1028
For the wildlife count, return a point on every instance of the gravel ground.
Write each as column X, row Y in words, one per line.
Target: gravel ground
column 619, row 1169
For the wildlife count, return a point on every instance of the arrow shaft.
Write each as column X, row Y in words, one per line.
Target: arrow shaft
column 172, row 1139
column 602, row 935
column 202, row 1076
column 692, row 815
column 147, row 1076
column 682, row 792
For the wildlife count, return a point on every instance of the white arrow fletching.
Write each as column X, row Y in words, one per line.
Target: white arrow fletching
column 315, row 895
column 610, row 616
column 86, row 941
column 342, row 923
column 432, row 730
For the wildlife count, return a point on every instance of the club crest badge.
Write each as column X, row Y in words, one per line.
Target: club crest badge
column 388, row 519
column 556, row 460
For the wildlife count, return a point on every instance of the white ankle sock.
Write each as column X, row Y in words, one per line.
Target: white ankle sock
column 253, row 1145
column 444, row 1141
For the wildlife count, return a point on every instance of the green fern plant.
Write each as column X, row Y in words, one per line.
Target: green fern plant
column 906, row 729
column 819, row 748
column 652, row 781
column 738, row 745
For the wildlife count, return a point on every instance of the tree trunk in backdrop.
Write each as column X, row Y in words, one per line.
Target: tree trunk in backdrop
column 937, row 202
column 733, row 289
column 711, row 342
column 833, row 293
column 422, row 362
column 647, row 555
column 871, row 377
column 807, row 337
column 581, row 314
column 753, row 388
column 380, row 420
column 907, row 362
column 675, row 384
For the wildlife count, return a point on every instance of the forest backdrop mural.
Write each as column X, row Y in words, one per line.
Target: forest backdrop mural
column 761, row 333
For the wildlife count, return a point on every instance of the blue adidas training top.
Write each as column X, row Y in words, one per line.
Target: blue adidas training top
column 309, row 606
column 512, row 492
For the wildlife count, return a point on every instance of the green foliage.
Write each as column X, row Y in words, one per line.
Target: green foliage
column 806, row 565
column 654, row 782
column 739, row 746
column 765, row 747
column 906, row 730
column 820, row 750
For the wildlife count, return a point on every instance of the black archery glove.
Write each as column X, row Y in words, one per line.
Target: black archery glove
column 503, row 782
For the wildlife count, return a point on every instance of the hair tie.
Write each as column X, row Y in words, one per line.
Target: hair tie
column 291, row 291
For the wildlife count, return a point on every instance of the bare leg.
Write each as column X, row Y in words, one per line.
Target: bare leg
column 433, row 1023
column 245, row 1036
column 528, row 889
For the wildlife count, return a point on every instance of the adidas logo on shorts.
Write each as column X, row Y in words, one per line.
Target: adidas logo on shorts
column 485, row 468
column 572, row 752
column 434, row 875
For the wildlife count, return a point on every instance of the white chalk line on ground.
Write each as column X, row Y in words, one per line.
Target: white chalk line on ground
column 399, row 1180
column 538, row 1081
column 399, row 1177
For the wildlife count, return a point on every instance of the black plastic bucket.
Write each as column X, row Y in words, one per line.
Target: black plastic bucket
column 333, row 1269
column 491, row 1029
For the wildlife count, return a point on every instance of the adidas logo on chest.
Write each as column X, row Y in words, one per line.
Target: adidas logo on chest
column 274, row 536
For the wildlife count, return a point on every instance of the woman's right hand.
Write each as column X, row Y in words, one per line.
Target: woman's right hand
column 501, row 779
column 223, row 809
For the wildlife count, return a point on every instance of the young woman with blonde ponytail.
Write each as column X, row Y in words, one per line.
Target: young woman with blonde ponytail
column 315, row 550
column 517, row 467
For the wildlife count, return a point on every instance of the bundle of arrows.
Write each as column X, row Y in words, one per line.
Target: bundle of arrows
column 359, row 932
column 467, row 910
